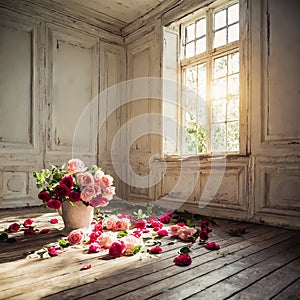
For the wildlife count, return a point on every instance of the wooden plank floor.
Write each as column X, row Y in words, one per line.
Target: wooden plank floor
column 264, row 263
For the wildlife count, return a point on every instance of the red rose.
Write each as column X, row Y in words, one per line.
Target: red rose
column 53, row 252
column 156, row 224
column 137, row 233
column 165, row 219
column 156, row 250
column 85, row 267
column 74, row 196
column 204, row 224
column 14, row 227
column 98, row 227
column 44, row 196
column 203, row 235
column 29, row 231
column 117, row 249
column 162, row 232
column 98, row 201
column 181, row 224
column 28, row 222
column 94, row 236
column 68, row 181
column 54, row 204
column 53, row 221
column 212, row 246
column 182, row 260
column 94, row 248
column 140, row 224
column 62, row 190
column 75, row 237
column 45, row 230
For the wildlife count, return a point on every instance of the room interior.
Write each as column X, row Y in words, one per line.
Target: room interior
column 100, row 80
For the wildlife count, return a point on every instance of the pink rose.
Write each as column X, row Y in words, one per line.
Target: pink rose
column 174, row 230
column 94, row 248
column 87, row 193
column 109, row 192
column 75, row 237
column 44, row 196
column 99, row 201
column 122, row 224
column 212, row 246
column 54, row 204
column 155, row 250
column 140, row 224
column 109, row 223
column 28, row 222
column 76, row 166
column 85, row 179
column 74, row 196
column 165, row 219
column 162, row 232
column 14, row 227
column 130, row 242
column 53, row 252
column 186, row 233
column 53, row 221
column 98, row 176
column 68, row 181
column 117, row 249
column 106, row 239
column 106, row 181
column 182, row 260
column 152, row 218
column 203, row 235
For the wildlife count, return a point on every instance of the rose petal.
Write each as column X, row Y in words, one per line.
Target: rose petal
column 85, row 267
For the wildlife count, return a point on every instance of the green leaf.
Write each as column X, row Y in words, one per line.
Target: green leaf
column 185, row 250
column 136, row 249
column 3, row 237
column 122, row 233
column 63, row 243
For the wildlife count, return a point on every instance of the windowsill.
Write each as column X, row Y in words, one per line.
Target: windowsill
column 203, row 157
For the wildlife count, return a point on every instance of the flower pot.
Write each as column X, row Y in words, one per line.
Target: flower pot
column 76, row 216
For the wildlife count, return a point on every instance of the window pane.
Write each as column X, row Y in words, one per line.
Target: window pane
column 233, row 13
column 220, row 19
column 201, row 28
column 233, row 84
column 220, row 67
column 189, row 33
column 190, row 50
column 233, row 33
column 220, row 38
column 233, row 63
column 218, row 137
column 201, row 45
column 220, row 88
column 233, row 109
column 219, row 111
column 202, row 81
column 233, row 136
column 191, row 77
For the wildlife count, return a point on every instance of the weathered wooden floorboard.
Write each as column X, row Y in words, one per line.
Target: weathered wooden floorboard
column 149, row 286
column 273, row 283
column 166, row 269
column 143, row 268
column 243, row 275
column 291, row 292
column 146, row 276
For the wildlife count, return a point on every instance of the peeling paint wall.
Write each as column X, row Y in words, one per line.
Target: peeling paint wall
column 51, row 67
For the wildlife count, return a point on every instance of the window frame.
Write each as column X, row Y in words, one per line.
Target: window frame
column 242, row 45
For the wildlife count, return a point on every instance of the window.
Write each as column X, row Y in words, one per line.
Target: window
column 209, row 65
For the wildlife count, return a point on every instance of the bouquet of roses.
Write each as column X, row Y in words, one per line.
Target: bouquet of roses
column 74, row 182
